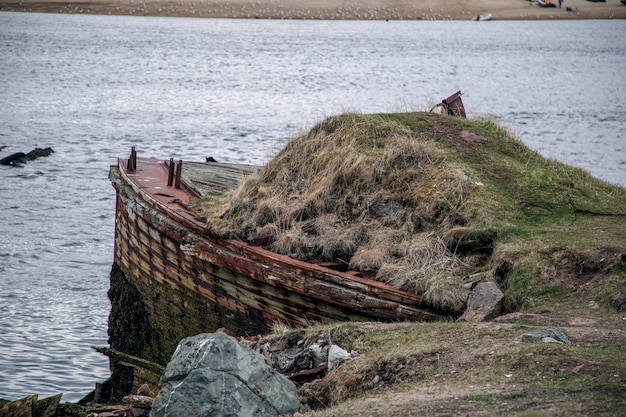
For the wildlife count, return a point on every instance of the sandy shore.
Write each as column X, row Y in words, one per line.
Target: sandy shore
column 329, row 9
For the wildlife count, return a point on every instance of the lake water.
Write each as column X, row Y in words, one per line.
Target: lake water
column 91, row 87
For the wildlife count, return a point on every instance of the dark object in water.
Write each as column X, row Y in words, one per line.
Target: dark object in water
column 19, row 158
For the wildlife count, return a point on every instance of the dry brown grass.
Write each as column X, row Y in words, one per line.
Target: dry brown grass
column 366, row 192
column 454, row 368
column 404, row 197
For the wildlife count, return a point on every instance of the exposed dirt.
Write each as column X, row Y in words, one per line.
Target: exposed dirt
column 477, row 369
column 480, row 369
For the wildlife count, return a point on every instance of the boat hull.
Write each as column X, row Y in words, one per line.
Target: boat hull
column 177, row 281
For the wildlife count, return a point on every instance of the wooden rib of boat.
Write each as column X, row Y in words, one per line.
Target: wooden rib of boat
column 162, row 247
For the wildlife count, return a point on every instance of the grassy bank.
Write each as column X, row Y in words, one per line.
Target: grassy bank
column 432, row 204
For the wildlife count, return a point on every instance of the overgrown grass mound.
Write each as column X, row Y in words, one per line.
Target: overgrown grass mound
column 425, row 202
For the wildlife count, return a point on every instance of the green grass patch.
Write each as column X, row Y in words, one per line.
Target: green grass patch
column 483, row 399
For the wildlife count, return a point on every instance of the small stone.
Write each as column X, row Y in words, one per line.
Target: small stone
column 337, row 356
column 549, row 335
column 483, row 303
column 144, row 389
column 21, row 407
column 319, row 354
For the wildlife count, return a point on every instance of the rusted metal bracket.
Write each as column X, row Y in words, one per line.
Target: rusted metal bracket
column 132, row 160
column 179, row 172
column 452, row 106
column 174, row 174
column 170, row 174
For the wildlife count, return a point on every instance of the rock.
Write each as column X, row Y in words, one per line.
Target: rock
column 318, row 353
column 31, row 407
column 468, row 136
column 19, row 408
column 483, row 303
column 48, row 406
column 337, row 356
column 145, row 389
column 550, row 335
column 212, row 374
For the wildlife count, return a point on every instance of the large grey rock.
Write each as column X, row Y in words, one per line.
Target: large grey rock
column 214, row 375
column 483, row 303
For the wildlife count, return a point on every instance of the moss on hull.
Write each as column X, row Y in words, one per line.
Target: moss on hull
column 148, row 320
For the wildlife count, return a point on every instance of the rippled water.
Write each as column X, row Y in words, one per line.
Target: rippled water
column 91, row 87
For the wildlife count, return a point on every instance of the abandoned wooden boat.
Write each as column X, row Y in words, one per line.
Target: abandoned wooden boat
column 184, row 282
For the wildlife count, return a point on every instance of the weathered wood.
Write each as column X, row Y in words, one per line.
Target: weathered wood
column 163, row 246
column 296, row 283
column 140, row 401
column 211, row 177
column 131, row 360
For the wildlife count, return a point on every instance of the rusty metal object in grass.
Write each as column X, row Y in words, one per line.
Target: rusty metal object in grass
column 452, row 106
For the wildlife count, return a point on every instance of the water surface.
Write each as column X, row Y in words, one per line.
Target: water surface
column 91, row 87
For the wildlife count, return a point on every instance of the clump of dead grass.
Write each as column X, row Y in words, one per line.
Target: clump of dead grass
column 405, row 198
column 363, row 191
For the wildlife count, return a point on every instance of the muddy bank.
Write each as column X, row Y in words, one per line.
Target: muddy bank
column 330, row 9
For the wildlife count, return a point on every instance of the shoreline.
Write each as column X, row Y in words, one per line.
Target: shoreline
column 329, row 9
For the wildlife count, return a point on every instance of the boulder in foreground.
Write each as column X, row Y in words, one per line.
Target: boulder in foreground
column 212, row 374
